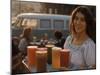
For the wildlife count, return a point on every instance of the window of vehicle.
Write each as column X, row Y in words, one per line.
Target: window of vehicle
column 18, row 22
column 30, row 23
column 45, row 24
column 58, row 24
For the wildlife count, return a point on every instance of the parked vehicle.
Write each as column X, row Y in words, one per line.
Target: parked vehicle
column 40, row 23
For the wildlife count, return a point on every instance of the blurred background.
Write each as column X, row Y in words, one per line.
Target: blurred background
column 18, row 7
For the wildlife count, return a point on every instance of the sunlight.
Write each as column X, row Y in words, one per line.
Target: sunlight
column 30, row 23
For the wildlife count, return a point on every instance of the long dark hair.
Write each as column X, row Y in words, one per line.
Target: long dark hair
column 90, row 22
column 26, row 33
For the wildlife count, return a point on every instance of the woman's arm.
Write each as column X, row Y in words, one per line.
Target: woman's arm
column 22, row 46
column 90, row 55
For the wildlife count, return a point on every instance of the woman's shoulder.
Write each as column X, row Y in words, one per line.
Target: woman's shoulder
column 69, row 37
column 89, row 43
column 22, row 40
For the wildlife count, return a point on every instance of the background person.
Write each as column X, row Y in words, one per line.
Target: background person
column 25, row 40
column 59, row 39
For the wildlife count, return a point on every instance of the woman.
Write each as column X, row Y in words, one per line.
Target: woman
column 24, row 41
column 82, row 47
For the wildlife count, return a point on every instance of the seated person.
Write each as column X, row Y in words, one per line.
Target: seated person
column 60, row 40
column 15, row 42
column 16, row 55
column 44, row 39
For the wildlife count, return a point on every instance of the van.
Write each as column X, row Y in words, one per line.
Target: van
column 41, row 22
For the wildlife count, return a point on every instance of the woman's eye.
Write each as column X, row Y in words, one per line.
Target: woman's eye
column 79, row 18
column 76, row 18
column 82, row 19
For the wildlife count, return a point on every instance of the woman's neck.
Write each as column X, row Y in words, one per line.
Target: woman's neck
column 80, row 38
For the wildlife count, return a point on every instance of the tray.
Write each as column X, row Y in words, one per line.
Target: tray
column 49, row 67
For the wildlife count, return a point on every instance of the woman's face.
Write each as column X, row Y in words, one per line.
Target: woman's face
column 79, row 23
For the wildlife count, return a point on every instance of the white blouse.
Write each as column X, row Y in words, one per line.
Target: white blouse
column 84, row 54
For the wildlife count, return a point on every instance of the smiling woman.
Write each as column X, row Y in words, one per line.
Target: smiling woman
column 80, row 42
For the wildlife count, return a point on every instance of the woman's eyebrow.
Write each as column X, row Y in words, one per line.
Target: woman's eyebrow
column 79, row 16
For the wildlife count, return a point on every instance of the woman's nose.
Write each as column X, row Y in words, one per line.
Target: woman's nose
column 78, row 22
